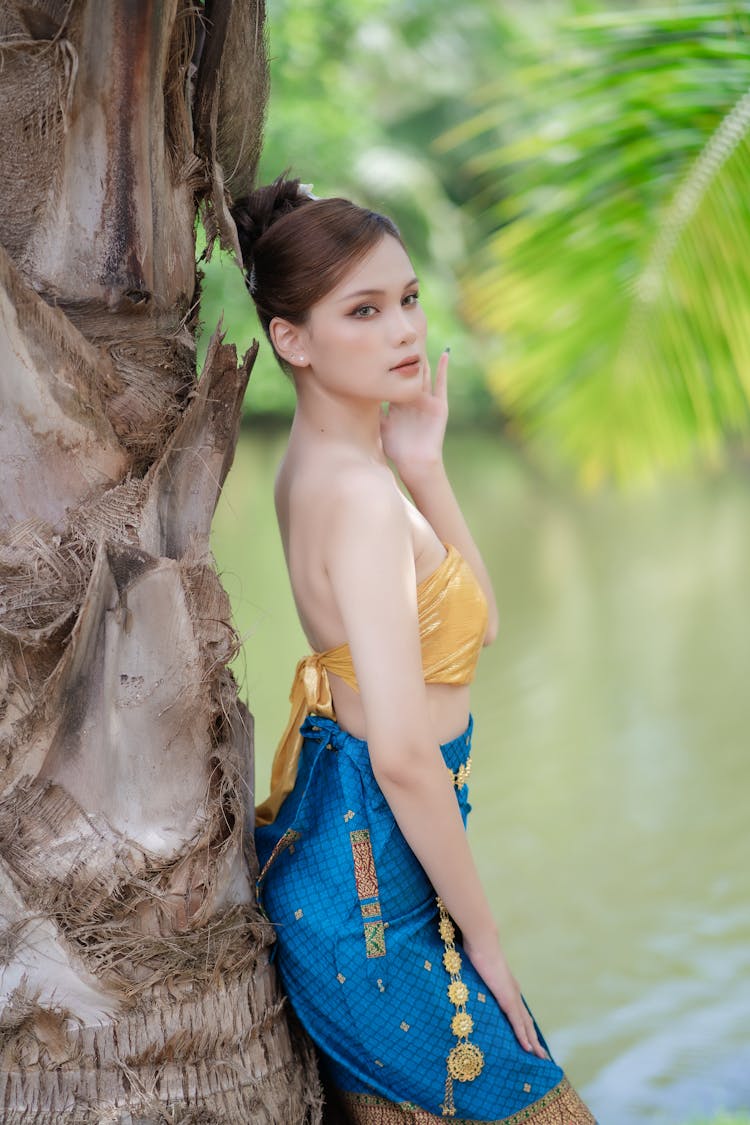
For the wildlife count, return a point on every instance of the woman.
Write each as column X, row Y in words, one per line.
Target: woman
column 387, row 946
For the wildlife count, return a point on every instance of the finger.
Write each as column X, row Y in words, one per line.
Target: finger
column 517, row 1022
column 427, row 377
column 533, row 1038
column 441, row 376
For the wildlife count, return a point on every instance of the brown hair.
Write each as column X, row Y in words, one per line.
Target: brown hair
column 296, row 249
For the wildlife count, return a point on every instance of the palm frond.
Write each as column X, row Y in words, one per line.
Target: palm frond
column 616, row 283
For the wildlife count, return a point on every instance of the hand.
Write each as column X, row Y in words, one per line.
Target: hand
column 413, row 432
column 495, row 972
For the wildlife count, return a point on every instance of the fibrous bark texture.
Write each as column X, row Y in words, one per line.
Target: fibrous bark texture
column 135, row 984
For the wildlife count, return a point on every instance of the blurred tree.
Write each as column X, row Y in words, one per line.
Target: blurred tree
column 612, row 169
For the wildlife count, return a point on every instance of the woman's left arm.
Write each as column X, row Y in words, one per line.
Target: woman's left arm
column 413, row 440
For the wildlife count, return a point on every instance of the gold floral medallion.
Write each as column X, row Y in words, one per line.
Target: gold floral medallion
column 465, row 1062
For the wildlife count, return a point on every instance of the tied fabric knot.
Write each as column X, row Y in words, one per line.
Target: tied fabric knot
column 310, row 694
column 311, row 674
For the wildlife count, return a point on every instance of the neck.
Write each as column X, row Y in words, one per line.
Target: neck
column 352, row 421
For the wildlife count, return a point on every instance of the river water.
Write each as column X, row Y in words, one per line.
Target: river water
column 611, row 760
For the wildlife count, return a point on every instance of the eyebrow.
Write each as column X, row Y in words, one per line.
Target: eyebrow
column 375, row 292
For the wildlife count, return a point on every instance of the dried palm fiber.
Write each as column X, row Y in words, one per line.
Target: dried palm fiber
column 43, row 575
column 114, row 517
column 178, row 90
column 126, row 792
column 31, row 945
column 43, row 579
column 116, row 909
column 125, row 241
column 42, row 582
column 211, row 613
column 57, row 448
column 239, row 126
column 223, row 1072
column 120, row 751
column 228, row 115
column 37, row 81
column 150, row 346
column 155, row 375
column 207, row 868
column 168, row 981
column 133, row 920
column 185, row 484
column 46, row 574
column 28, row 1029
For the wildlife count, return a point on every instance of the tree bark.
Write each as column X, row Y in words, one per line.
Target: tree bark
column 135, row 984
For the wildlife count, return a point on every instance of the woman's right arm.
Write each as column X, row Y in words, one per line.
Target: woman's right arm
column 371, row 568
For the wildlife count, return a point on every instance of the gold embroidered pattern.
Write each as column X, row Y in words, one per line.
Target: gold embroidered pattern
column 340, row 978
column 298, row 914
column 366, row 880
column 374, row 939
column 364, row 864
column 462, row 774
column 561, row 1104
column 465, row 1061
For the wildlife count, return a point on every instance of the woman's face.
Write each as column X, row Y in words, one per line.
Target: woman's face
column 366, row 338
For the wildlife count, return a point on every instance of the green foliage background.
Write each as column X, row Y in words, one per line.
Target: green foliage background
column 572, row 178
column 360, row 95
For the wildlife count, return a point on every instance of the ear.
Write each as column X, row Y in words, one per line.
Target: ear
column 289, row 341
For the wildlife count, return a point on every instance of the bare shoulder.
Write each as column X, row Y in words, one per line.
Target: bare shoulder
column 343, row 490
column 369, row 542
column 366, row 494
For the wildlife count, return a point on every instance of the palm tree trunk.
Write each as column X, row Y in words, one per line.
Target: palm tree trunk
column 135, row 984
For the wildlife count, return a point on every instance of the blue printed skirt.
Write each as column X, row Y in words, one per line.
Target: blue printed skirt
column 406, row 1029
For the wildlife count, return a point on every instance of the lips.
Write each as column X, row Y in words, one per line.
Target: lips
column 406, row 364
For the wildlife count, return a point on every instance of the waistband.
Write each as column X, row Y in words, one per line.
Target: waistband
column 318, row 728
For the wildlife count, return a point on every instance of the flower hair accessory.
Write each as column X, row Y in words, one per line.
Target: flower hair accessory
column 306, row 190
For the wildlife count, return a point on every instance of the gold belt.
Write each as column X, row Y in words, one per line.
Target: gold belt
column 465, row 1060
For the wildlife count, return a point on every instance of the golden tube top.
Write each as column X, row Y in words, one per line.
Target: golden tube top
column 452, row 612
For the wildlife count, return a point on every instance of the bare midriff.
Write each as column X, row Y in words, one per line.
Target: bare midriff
column 447, row 705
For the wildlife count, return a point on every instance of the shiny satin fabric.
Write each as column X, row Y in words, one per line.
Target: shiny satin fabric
column 452, row 612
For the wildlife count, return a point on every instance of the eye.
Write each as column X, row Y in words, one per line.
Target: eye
column 364, row 311
column 411, row 299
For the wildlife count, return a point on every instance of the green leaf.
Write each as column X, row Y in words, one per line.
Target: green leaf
column 616, row 281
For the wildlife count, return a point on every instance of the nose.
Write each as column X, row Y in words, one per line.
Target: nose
column 405, row 329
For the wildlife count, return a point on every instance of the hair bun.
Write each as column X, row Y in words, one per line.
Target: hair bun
column 253, row 214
